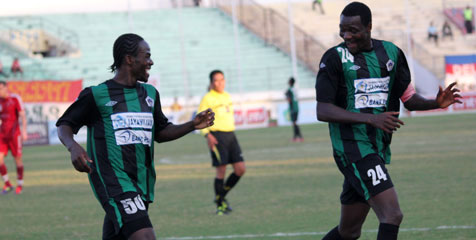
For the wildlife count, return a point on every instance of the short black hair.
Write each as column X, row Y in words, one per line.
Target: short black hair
column 126, row 44
column 292, row 81
column 3, row 83
column 212, row 73
column 358, row 9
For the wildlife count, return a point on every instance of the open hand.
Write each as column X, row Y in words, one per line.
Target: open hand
column 446, row 97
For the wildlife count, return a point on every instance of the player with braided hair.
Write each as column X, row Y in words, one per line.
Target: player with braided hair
column 124, row 118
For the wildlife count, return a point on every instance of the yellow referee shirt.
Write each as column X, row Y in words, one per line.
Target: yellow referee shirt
column 221, row 104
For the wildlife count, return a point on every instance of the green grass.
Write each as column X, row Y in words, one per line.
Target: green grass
column 288, row 187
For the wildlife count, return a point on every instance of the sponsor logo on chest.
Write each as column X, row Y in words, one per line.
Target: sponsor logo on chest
column 369, row 85
column 132, row 120
column 125, row 137
column 371, row 92
column 370, row 100
column 133, row 127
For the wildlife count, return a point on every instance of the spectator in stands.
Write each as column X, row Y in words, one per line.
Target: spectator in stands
column 49, row 50
column 446, row 31
column 16, row 68
column 197, row 3
column 1, row 70
column 468, row 19
column 318, row 2
column 432, row 33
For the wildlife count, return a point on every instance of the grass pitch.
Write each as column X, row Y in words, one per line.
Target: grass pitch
column 289, row 188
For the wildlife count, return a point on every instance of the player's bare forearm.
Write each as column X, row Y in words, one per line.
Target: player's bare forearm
column 79, row 157
column 386, row 121
column 443, row 99
column 65, row 135
column 328, row 112
column 172, row 132
column 419, row 103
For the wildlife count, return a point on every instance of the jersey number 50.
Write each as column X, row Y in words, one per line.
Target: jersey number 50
column 130, row 207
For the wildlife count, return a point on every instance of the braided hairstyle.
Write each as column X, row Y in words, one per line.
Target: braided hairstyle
column 126, row 44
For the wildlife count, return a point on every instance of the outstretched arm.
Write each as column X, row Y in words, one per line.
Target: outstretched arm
column 444, row 98
column 171, row 132
column 386, row 121
column 79, row 157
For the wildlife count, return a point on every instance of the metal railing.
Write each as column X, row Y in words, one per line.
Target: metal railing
column 274, row 29
column 26, row 32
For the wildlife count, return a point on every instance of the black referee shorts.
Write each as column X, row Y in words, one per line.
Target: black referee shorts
column 227, row 150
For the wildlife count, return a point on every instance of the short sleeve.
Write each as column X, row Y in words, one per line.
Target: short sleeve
column 328, row 77
column 160, row 120
column 402, row 75
column 82, row 112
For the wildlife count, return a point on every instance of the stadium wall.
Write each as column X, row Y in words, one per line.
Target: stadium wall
column 46, row 101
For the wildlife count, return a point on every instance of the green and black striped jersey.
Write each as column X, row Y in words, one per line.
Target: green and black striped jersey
column 367, row 82
column 122, row 122
column 293, row 103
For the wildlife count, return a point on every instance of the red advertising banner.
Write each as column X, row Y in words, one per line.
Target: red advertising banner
column 461, row 69
column 46, row 91
column 251, row 117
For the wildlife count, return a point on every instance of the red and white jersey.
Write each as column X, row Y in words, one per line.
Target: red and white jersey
column 10, row 107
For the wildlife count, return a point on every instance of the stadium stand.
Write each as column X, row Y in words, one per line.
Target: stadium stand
column 207, row 43
column 389, row 23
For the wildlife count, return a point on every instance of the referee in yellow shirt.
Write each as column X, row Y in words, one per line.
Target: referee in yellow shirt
column 221, row 139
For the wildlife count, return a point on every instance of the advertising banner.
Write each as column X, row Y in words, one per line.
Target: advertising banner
column 461, row 69
column 307, row 113
column 251, row 115
column 37, row 133
column 46, row 91
column 44, row 102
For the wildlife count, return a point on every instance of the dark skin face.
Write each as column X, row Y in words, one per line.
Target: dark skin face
column 356, row 36
column 135, row 68
column 141, row 64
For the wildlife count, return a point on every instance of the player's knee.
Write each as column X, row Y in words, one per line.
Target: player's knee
column 398, row 217
column 240, row 171
column 395, row 217
column 143, row 234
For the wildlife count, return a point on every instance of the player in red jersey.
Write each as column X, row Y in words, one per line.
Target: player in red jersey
column 11, row 114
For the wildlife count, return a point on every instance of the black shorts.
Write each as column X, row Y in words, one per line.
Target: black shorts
column 227, row 150
column 125, row 214
column 294, row 116
column 364, row 179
